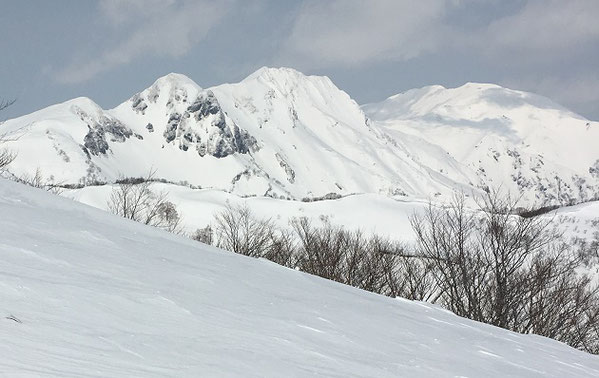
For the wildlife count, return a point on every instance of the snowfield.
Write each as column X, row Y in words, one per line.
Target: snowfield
column 370, row 213
column 85, row 293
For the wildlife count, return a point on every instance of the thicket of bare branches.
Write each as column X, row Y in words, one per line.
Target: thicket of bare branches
column 510, row 271
column 237, row 230
column 136, row 201
column 368, row 262
column 37, row 180
column 489, row 265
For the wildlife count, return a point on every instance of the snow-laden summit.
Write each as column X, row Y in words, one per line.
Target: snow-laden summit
column 86, row 293
column 281, row 133
column 514, row 139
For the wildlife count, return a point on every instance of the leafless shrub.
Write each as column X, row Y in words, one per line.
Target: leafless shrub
column 238, row 230
column 37, row 180
column 136, row 201
column 6, row 157
column 204, row 235
column 370, row 263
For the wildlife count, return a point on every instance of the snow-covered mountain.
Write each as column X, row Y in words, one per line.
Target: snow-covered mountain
column 86, row 293
column 280, row 133
column 517, row 140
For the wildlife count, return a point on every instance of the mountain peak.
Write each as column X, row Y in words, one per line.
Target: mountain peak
column 175, row 80
column 270, row 73
column 284, row 76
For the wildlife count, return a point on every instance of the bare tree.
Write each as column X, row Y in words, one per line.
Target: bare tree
column 5, row 104
column 490, row 264
column 239, row 231
column 133, row 199
column 282, row 248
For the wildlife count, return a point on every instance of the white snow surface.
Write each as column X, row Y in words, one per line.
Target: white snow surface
column 370, row 213
column 96, row 295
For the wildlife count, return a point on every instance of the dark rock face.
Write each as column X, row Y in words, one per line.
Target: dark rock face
column 150, row 127
column 101, row 129
column 171, row 127
column 206, row 125
column 205, row 105
column 288, row 170
column 95, row 141
column 138, row 104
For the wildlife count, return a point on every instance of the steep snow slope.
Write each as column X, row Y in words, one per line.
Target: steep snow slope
column 97, row 295
column 517, row 140
column 322, row 140
column 276, row 133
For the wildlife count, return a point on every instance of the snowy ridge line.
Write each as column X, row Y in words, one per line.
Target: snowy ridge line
column 284, row 134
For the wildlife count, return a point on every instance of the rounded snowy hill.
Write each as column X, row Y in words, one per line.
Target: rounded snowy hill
column 513, row 139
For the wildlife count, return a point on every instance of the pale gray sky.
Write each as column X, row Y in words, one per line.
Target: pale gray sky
column 110, row 49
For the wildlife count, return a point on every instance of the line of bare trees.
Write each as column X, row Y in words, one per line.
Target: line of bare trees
column 510, row 271
column 489, row 265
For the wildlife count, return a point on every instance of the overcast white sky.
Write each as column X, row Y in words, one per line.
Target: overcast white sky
column 109, row 50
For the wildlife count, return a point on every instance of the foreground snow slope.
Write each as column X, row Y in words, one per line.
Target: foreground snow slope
column 98, row 296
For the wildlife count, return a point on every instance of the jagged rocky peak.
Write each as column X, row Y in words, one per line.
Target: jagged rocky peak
column 101, row 129
column 205, row 126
